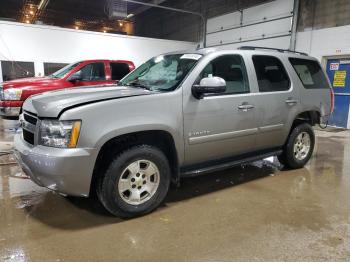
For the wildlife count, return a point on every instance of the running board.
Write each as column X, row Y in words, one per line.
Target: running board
column 192, row 171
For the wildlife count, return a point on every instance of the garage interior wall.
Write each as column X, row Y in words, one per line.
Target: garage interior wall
column 39, row 44
column 160, row 23
column 324, row 28
column 319, row 23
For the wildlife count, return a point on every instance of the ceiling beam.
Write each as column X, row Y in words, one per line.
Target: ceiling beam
column 144, row 8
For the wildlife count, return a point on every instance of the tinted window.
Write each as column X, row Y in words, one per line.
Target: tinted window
column 310, row 73
column 92, row 72
column 232, row 69
column 50, row 68
column 15, row 69
column 119, row 70
column 271, row 75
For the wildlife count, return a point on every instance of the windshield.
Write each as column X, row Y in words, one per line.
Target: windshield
column 63, row 71
column 162, row 73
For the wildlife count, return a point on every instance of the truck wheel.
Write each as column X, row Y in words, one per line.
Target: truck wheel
column 136, row 182
column 299, row 147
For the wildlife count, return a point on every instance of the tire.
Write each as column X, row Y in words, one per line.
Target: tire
column 136, row 182
column 295, row 152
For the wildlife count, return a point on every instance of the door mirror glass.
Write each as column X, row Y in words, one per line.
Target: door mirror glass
column 209, row 85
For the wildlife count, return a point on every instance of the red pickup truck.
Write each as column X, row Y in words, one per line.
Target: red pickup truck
column 89, row 72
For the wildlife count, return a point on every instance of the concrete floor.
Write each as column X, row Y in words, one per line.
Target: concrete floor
column 256, row 212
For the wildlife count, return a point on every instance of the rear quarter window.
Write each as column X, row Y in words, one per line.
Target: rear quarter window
column 310, row 73
column 119, row 70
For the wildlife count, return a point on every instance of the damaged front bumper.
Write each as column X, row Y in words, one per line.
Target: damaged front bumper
column 67, row 171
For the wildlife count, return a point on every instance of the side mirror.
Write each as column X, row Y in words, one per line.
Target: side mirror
column 75, row 77
column 209, row 85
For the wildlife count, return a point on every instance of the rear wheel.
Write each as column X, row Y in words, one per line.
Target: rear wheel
column 136, row 182
column 299, row 147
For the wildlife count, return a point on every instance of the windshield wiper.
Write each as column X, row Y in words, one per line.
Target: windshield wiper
column 139, row 85
column 53, row 76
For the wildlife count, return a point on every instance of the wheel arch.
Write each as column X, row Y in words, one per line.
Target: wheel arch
column 312, row 117
column 161, row 139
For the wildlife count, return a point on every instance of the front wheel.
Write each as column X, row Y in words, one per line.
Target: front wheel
column 299, row 147
column 136, row 182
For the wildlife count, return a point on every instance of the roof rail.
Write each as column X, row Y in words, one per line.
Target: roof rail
column 270, row 48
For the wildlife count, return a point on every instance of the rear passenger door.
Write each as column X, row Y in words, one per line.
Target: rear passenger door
column 277, row 101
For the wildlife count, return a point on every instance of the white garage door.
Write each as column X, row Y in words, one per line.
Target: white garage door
column 267, row 25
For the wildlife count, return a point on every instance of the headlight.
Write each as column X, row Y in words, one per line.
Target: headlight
column 62, row 134
column 12, row 94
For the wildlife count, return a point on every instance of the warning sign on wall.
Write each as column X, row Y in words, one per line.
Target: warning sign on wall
column 339, row 79
column 334, row 66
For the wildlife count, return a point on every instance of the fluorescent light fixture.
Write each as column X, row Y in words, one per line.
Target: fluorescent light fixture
column 129, row 15
column 43, row 4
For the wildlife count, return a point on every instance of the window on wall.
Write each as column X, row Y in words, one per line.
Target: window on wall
column 50, row 68
column 271, row 75
column 16, row 69
column 231, row 68
column 119, row 70
column 310, row 73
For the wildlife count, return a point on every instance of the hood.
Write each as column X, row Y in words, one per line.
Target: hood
column 25, row 82
column 50, row 104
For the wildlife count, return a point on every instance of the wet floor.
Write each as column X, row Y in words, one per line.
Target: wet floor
column 257, row 212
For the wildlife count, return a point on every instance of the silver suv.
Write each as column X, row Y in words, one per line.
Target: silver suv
column 177, row 115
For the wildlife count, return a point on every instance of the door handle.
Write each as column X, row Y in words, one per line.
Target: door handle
column 290, row 101
column 245, row 107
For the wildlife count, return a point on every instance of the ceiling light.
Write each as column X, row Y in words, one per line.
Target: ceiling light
column 120, row 23
column 31, row 12
column 129, row 15
column 43, row 4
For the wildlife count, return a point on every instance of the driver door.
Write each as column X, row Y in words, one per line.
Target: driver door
column 221, row 125
column 91, row 74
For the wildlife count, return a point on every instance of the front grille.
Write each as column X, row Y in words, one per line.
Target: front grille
column 29, row 126
column 30, row 119
column 28, row 137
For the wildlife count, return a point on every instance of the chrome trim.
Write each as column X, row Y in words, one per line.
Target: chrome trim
column 222, row 136
column 271, row 128
column 29, row 127
column 1, row 92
